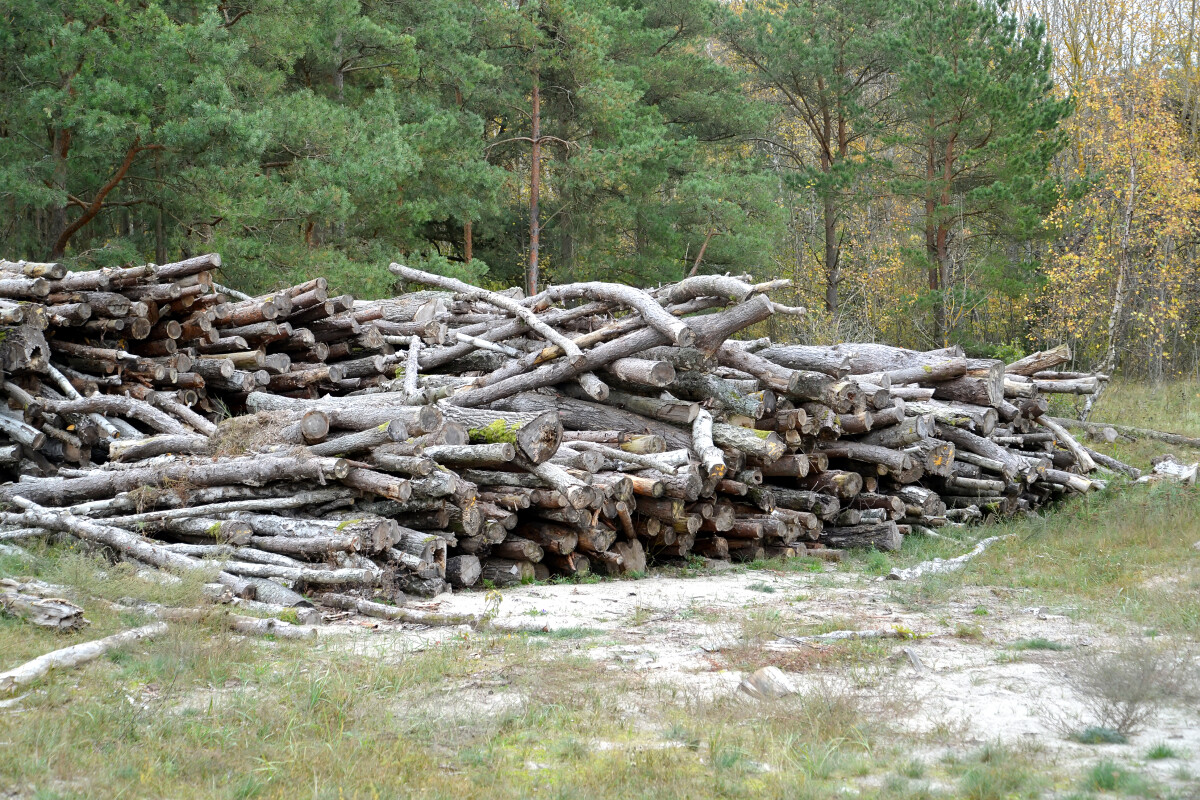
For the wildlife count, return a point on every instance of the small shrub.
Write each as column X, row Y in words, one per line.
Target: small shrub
column 1125, row 689
column 681, row 734
column 1098, row 735
column 729, row 758
column 878, row 563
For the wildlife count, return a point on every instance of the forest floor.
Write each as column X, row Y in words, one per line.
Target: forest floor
column 989, row 683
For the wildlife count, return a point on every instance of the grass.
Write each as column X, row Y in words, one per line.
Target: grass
column 1038, row 643
column 785, row 565
column 998, row 772
column 1172, row 407
column 1108, row 776
column 1124, row 556
column 567, row 633
column 202, row 714
column 1161, row 751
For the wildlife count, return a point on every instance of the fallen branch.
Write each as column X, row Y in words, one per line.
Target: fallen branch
column 73, row 656
column 1133, row 433
column 940, row 566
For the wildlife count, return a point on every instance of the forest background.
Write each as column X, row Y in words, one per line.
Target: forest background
column 1004, row 177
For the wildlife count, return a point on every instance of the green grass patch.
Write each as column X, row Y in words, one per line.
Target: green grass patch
column 1038, row 643
column 1108, row 776
column 972, row 632
column 998, row 772
column 777, row 564
column 566, row 633
column 1161, row 751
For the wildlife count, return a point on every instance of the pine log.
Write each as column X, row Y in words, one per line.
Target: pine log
column 502, row 572
column 1134, row 433
column 913, row 429
column 711, row 331
column 38, row 608
column 574, row 355
column 536, row 435
column 884, row 537
column 965, row 440
column 703, row 386
column 1037, row 362
column 256, row 470
column 1068, row 441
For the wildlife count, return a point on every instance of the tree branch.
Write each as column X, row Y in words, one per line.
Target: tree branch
column 97, row 204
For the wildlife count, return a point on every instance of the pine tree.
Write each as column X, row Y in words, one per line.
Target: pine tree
column 980, row 129
column 821, row 66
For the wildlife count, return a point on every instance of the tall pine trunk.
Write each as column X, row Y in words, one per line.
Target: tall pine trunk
column 61, row 145
column 931, row 236
column 535, row 181
column 832, row 267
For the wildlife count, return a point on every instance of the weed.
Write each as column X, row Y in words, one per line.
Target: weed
column 1108, row 776
column 915, row 768
column 728, row 758
column 980, row 611
column 1038, row 643
column 962, row 631
column 878, row 563
column 998, row 773
column 641, row 615
column 1161, row 751
column 683, row 735
column 567, row 633
column 759, row 586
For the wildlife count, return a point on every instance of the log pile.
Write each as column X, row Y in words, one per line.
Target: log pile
column 453, row 436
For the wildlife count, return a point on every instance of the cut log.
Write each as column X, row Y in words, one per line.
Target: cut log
column 38, row 608
column 884, row 537
column 536, row 436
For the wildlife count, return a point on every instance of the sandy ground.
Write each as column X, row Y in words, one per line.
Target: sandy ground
column 954, row 662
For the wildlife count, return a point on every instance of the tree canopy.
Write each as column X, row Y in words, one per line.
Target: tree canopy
column 928, row 171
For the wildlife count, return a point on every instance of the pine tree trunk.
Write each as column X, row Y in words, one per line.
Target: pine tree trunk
column 535, row 180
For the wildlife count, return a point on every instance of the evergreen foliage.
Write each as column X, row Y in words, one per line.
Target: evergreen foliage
column 912, row 164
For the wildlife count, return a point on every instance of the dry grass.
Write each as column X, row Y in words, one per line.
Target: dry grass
column 1172, row 407
column 244, row 434
column 201, row 714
